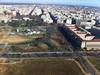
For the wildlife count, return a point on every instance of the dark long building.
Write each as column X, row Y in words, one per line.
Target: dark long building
column 81, row 38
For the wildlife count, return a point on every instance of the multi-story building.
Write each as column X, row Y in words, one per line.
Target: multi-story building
column 82, row 38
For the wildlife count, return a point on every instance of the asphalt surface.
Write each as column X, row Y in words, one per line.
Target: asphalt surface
column 70, row 54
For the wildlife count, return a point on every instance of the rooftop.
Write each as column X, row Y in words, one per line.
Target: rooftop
column 81, row 34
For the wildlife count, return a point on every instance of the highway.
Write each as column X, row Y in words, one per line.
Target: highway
column 67, row 54
column 70, row 54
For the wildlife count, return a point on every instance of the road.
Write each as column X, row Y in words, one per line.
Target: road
column 70, row 54
column 88, row 67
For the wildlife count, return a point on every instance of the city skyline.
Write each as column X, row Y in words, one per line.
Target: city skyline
column 65, row 2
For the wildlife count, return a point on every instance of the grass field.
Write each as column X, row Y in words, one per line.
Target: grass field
column 95, row 61
column 44, row 67
column 7, row 38
column 12, row 39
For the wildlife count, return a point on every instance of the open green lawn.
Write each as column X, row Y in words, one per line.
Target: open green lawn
column 44, row 67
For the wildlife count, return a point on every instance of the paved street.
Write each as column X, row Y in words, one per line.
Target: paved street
column 70, row 54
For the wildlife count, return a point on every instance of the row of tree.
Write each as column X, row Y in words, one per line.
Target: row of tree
column 22, row 23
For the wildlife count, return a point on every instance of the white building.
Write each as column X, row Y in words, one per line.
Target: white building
column 37, row 11
column 47, row 18
column 68, row 21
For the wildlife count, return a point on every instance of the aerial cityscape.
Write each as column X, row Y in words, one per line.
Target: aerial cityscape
column 49, row 37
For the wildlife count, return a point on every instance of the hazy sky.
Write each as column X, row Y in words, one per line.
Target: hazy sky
column 72, row 2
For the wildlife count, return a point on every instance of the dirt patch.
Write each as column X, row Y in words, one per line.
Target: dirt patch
column 5, row 37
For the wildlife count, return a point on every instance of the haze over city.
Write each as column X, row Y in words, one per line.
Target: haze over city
column 67, row 2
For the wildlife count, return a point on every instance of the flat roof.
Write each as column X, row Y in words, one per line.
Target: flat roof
column 81, row 34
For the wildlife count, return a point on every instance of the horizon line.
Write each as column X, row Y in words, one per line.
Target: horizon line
column 16, row 3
